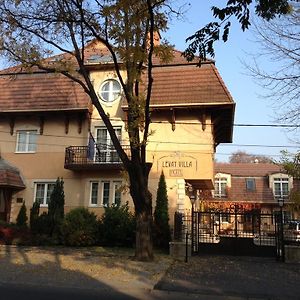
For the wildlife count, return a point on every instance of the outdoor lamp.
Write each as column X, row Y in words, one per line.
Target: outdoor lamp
column 193, row 199
column 281, row 202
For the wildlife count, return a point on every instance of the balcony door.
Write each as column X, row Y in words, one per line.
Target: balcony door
column 106, row 152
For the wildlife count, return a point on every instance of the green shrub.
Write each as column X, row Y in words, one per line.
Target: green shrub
column 34, row 215
column 22, row 216
column 56, row 206
column 79, row 228
column 117, row 226
column 43, row 225
column 162, row 233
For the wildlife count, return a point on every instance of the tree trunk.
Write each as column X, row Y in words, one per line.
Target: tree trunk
column 144, row 243
column 142, row 200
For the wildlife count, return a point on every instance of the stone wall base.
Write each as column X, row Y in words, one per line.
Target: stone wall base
column 178, row 250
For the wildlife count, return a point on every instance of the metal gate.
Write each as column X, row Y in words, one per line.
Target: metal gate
column 237, row 232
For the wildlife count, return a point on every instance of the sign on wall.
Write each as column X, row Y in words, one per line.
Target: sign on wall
column 177, row 164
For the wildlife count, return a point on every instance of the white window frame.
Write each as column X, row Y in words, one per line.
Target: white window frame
column 102, row 192
column 91, row 194
column 281, row 181
column 116, row 185
column 113, row 94
column 107, row 149
column 219, row 181
column 113, row 185
column 277, row 178
column 46, row 183
column 28, row 132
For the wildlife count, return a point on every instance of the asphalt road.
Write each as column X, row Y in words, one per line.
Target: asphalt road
column 233, row 276
column 28, row 292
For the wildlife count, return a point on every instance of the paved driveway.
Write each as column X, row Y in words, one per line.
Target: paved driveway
column 246, row 277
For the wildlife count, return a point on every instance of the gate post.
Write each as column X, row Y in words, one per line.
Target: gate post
column 192, row 231
column 235, row 222
column 281, row 235
column 280, row 253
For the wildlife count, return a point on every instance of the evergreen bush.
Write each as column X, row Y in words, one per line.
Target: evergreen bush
column 80, row 228
column 162, row 233
column 117, row 226
column 56, row 206
column 43, row 225
column 22, row 216
column 34, row 215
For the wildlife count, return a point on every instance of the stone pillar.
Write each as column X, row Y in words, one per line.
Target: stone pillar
column 180, row 195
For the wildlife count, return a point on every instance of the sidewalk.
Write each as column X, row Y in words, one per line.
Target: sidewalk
column 95, row 269
column 113, row 274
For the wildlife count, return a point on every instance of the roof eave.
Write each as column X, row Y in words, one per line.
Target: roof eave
column 43, row 110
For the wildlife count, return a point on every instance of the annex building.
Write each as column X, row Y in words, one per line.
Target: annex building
column 252, row 187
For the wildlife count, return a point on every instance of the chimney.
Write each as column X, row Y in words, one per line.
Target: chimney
column 156, row 38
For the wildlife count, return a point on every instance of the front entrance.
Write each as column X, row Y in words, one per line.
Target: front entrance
column 5, row 204
column 236, row 232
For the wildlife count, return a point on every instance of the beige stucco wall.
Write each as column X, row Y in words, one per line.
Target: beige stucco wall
column 184, row 153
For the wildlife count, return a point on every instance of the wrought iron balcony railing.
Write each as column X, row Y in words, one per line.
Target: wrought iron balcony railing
column 96, row 157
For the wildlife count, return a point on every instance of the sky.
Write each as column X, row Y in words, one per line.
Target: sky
column 251, row 108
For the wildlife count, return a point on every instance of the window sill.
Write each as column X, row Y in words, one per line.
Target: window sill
column 25, row 152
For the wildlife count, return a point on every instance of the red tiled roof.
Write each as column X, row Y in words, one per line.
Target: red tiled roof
column 240, row 171
column 40, row 92
column 188, row 85
column 239, row 193
column 247, row 169
column 10, row 176
column 176, row 83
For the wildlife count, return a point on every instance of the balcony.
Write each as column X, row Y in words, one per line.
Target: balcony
column 100, row 157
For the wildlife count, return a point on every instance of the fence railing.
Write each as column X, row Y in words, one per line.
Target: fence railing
column 98, row 154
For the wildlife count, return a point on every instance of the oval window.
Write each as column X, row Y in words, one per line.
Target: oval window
column 110, row 90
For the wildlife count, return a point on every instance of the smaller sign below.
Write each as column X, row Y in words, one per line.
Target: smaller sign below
column 175, row 173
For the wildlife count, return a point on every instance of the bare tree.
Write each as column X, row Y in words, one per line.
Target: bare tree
column 279, row 46
column 244, row 157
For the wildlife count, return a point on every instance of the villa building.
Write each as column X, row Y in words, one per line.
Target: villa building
column 50, row 129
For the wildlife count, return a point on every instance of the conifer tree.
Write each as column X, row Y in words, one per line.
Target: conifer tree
column 22, row 216
column 162, row 235
column 56, row 205
column 34, row 215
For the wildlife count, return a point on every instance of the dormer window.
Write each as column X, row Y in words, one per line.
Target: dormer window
column 250, row 184
column 222, row 183
column 281, row 187
column 110, row 90
column 281, row 184
column 220, row 187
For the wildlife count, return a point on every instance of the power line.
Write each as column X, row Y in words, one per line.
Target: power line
column 267, row 125
column 157, row 142
column 235, row 125
column 262, row 146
